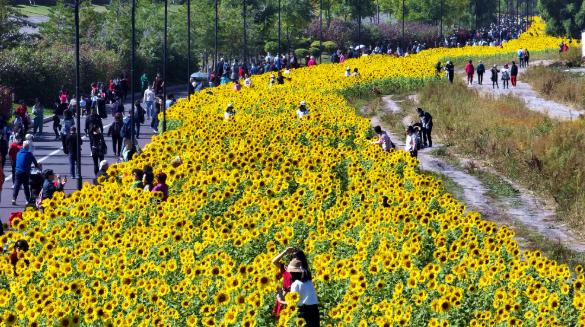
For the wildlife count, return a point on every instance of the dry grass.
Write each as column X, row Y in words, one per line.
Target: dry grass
column 542, row 154
column 561, row 86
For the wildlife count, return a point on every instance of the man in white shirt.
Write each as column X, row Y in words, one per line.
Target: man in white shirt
column 148, row 100
column 303, row 111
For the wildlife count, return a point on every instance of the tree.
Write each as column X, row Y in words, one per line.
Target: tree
column 566, row 18
column 10, row 23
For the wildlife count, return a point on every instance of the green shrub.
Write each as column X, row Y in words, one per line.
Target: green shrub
column 315, row 44
column 39, row 72
column 315, row 52
column 271, row 47
column 329, row 46
column 301, row 52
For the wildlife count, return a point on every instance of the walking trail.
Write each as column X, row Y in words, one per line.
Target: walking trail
column 525, row 210
column 525, row 92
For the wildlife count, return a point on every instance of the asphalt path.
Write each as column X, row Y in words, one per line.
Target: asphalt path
column 49, row 152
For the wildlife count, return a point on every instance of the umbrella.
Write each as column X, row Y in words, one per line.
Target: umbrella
column 199, row 75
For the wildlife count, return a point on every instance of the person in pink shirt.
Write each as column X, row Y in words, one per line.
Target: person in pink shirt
column 161, row 186
column 311, row 62
column 469, row 70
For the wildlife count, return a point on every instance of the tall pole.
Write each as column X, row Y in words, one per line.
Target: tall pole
column 188, row 48
column 77, row 98
column 441, row 23
column 164, row 104
column 403, row 16
column 499, row 29
column 359, row 8
column 279, row 28
column 216, row 29
column 132, row 72
column 476, row 16
column 320, row 30
column 518, row 12
column 245, row 36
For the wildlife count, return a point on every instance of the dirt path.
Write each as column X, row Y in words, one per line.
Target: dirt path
column 525, row 92
column 525, row 210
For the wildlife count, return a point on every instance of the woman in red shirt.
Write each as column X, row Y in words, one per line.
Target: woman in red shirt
column 286, row 280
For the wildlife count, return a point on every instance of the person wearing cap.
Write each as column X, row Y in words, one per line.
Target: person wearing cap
column 161, row 186
column 480, row 71
column 104, row 165
column 49, row 185
column 302, row 284
column 24, row 160
column 450, row 69
column 229, row 112
column 302, row 111
column 494, row 77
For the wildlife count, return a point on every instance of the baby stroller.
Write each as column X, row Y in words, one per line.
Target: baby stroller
column 36, row 183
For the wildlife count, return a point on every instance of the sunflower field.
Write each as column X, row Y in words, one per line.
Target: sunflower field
column 386, row 244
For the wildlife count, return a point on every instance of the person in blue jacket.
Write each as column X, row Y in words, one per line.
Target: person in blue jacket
column 24, row 160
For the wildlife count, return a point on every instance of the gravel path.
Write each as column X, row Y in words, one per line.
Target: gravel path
column 530, row 97
column 526, row 209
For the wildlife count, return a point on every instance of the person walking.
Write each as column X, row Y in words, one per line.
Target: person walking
column 93, row 120
column 438, row 70
column 426, row 121
column 450, row 69
column 66, row 125
column 469, row 70
column 506, row 77
column 39, row 115
column 494, row 77
column 139, row 118
column 98, row 147
column 73, row 149
column 24, row 160
column 143, row 82
column 114, row 132
column 521, row 57
column 480, row 71
column 514, row 73
column 410, row 144
column 149, row 98
column 13, row 150
column 526, row 58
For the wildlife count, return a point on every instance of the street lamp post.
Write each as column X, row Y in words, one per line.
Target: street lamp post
column 216, row 28
column 403, row 17
column 132, row 72
column 320, row 30
column 245, row 36
column 359, row 8
column 441, row 23
column 164, row 102
column 279, row 29
column 188, row 48
column 77, row 98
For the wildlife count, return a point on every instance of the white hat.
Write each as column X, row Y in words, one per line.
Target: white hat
column 230, row 105
column 103, row 163
column 303, row 103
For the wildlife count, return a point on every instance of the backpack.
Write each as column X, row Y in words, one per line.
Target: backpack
column 505, row 75
column 125, row 131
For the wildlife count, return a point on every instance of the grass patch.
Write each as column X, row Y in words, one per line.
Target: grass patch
column 33, row 10
column 542, row 154
column 558, row 85
column 496, row 186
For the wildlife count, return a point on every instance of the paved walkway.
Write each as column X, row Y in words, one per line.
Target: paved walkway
column 525, row 92
column 49, row 152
